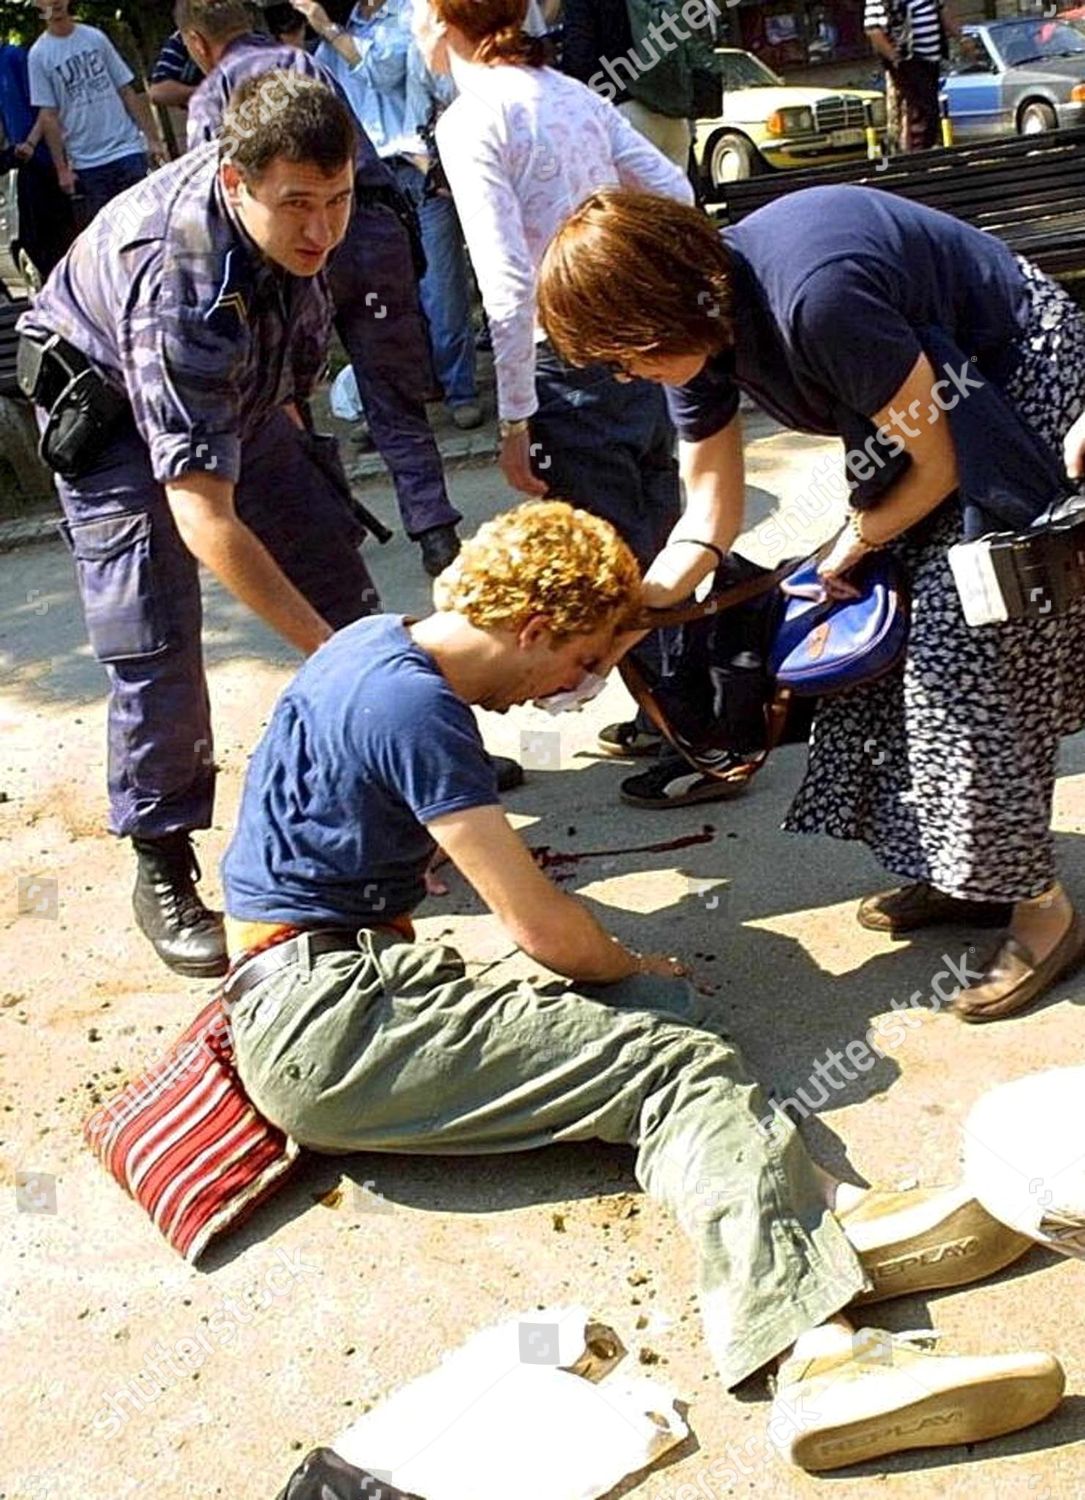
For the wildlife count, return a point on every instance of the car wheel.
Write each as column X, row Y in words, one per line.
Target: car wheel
column 732, row 158
column 1037, row 117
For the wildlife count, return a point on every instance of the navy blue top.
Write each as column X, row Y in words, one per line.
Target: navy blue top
column 367, row 745
column 837, row 291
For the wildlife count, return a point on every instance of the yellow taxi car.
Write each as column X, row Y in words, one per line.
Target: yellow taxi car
column 766, row 123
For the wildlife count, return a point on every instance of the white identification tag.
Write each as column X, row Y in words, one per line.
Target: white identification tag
column 977, row 583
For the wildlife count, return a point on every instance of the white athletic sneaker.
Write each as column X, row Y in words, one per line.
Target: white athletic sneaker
column 878, row 1393
column 924, row 1239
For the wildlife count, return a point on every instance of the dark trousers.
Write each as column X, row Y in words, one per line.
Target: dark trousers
column 915, row 80
column 140, row 590
column 96, row 186
column 46, row 224
column 379, row 319
column 607, row 446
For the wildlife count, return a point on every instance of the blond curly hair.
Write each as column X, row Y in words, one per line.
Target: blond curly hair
column 543, row 558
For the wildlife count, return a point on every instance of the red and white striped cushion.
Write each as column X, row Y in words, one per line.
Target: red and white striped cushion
column 184, row 1141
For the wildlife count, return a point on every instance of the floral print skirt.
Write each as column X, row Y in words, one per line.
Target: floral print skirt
column 945, row 767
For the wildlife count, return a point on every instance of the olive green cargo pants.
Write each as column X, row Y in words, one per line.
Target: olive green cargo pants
column 394, row 1049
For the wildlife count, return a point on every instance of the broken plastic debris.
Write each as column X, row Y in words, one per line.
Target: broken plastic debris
column 506, row 1415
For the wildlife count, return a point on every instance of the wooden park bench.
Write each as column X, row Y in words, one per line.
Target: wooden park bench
column 1027, row 190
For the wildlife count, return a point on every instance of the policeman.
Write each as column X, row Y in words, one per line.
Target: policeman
column 166, row 354
column 372, row 277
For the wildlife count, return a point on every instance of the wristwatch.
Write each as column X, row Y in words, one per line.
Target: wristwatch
column 513, row 428
column 333, row 32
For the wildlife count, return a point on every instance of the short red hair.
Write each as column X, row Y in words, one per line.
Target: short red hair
column 495, row 28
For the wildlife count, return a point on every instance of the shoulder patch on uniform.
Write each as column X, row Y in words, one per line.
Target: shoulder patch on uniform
column 230, row 309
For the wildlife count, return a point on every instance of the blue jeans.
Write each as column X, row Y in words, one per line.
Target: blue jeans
column 445, row 288
column 97, row 185
column 607, row 446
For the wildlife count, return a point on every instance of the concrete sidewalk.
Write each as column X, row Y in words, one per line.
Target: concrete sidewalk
column 129, row 1373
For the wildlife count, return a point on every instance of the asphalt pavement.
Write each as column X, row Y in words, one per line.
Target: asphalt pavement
column 394, row 1260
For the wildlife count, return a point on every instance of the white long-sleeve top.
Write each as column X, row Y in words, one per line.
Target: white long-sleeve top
column 522, row 147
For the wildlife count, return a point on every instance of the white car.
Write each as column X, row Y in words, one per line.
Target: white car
column 766, row 124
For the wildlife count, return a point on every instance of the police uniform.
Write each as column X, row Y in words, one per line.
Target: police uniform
column 374, row 288
column 204, row 340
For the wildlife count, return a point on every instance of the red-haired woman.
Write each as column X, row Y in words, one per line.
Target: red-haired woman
column 521, row 146
column 951, row 369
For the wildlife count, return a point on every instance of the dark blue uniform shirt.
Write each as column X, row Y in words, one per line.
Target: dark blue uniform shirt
column 836, row 293
column 366, row 746
column 247, row 57
column 166, row 294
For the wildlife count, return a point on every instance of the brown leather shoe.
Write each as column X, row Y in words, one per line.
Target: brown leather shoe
column 910, row 907
column 1013, row 978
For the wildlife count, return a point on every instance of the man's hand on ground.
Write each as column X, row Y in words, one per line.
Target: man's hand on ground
column 663, row 964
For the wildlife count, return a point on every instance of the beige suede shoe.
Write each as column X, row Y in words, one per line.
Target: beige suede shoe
column 880, row 1394
column 1013, row 979
column 924, row 1239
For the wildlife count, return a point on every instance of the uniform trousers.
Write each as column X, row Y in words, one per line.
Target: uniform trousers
column 379, row 319
column 393, row 1048
column 140, row 590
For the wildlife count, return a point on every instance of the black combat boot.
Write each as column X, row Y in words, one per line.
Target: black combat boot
column 188, row 938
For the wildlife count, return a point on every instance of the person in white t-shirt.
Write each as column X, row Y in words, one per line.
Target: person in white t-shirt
column 97, row 128
column 522, row 145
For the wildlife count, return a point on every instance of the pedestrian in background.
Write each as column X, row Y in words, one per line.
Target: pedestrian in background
column 521, row 146
column 98, row 129
column 658, row 98
column 46, row 226
column 376, row 63
column 910, row 37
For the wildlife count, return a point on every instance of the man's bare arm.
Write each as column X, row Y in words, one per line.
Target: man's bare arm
column 168, row 93
column 141, row 113
column 713, row 476
column 552, row 928
column 879, row 40
column 203, row 508
column 54, row 139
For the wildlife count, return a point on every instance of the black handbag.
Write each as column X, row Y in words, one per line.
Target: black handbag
column 717, row 688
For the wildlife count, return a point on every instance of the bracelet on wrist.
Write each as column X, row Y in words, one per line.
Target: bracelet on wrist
column 512, row 428
column 855, row 526
column 333, row 32
column 717, row 552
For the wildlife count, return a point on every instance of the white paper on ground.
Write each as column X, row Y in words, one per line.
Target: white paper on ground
column 1024, row 1156
column 501, row 1418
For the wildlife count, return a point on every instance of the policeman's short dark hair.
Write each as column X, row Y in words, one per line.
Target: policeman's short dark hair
column 288, row 114
column 217, row 20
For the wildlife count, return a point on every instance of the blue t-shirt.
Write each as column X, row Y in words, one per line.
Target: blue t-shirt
column 833, row 289
column 367, row 745
column 16, row 114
